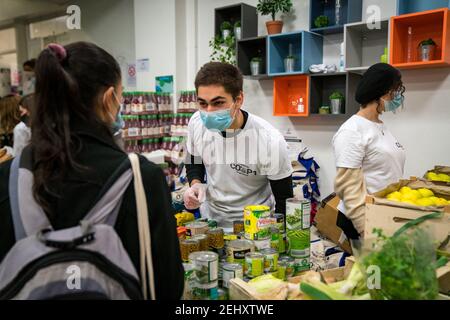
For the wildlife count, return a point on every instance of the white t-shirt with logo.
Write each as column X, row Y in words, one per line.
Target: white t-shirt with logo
column 361, row 143
column 239, row 167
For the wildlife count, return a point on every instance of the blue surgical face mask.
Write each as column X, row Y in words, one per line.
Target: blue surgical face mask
column 394, row 104
column 217, row 120
column 118, row 123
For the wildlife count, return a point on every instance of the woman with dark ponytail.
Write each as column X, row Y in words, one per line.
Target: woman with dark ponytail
column 74, row 155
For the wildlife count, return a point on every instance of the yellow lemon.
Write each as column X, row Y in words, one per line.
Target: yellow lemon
column 426, row 202
column 432, row 176
column 417, row 193
column 411, row 196
column 443, row 177
column 434, row 200
column 426, row 192
column 394, row 196
column 404, row 190
column 441, row 202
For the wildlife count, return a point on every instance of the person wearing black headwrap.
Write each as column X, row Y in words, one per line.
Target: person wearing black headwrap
column 368, row 157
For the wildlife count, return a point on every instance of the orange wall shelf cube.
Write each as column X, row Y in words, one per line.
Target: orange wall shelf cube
column 287, row 90
column 424, row 25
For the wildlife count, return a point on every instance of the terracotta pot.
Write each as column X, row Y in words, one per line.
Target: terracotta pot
column 274, row 27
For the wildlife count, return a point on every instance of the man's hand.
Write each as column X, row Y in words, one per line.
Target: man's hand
column 195, row 195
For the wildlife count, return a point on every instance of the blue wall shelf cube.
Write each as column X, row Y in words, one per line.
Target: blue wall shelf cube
column 307, row 48
column 350, row 11
column 413, row 6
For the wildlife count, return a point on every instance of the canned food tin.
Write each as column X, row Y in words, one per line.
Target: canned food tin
column 195, row 228
column 298, row 214
column 204, row 241
column 188, row 246
column 216, row 238
column 257, row 221
column 205, row 291
column 206, row 266
column 237, row 249
column 231, row 271
column 279, row 217
column 299, row 243
column 270, row 260
column 301, row 265
column 254, row 264
column 282, row 266
column 262, row 244
column 290, row 265
column 238, row 226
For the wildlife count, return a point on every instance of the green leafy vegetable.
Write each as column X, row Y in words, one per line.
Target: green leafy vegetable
column 407, row 264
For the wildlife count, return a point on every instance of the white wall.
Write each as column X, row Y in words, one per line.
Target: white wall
column 155, row 39
column 107, row 23
column 421, row 127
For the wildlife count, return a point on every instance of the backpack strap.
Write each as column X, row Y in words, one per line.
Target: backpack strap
column 19, row 230
column 28, row 216
column 107, row 208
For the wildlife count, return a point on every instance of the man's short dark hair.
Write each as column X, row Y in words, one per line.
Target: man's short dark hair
column 220, row 74
column 30, row 63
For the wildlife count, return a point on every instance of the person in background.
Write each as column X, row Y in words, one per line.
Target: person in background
column 368, row 156
column 28, row 66
column 73, row 157
column 9, row 118
column 22, row 132
column 28, row 77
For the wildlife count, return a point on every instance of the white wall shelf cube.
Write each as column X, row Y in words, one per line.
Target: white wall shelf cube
column 364, row 45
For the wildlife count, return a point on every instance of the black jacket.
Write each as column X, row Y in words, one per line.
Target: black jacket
column 80, row 191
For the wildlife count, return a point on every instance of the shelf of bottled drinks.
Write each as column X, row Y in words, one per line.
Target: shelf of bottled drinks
column 152, row 123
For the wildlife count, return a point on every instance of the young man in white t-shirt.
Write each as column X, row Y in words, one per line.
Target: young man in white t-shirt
column 235, row 159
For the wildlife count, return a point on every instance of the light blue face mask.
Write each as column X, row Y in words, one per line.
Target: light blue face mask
column 394, row 104
column 118, row 123
column 217, row 120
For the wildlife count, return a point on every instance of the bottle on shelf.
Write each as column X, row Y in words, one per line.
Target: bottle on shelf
column 143, row 123
column 181, row 101
column 127, row 103
column 409, row 53
column 301, row 106
column 193, row 101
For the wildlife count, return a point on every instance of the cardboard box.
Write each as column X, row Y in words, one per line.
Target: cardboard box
column 326, row 219
column 390, row 216
column 338, row 274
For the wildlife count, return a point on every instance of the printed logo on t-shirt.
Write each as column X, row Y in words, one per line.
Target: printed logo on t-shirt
column 399, row 145
column 242, row 169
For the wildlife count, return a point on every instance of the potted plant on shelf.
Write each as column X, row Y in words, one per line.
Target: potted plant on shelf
column 272, row 7
column 427, row 49
column 226, row 29
column 223, row 50
column 289, row 64
column 255, row 66
column 336, row 99
column 238, row 31
column 321, row 22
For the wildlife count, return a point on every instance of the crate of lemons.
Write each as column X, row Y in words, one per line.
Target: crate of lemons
column 440, row 175
column 420, row 197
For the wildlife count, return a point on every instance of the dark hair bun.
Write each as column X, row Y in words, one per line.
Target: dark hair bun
column 378, row 80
